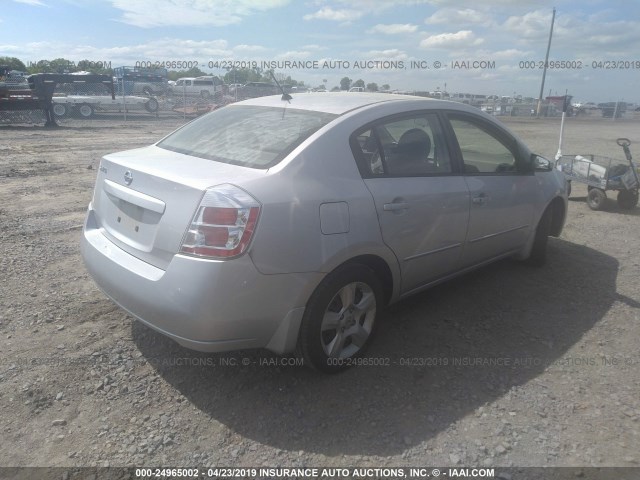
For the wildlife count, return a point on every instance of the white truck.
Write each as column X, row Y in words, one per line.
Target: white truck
column 204, row 87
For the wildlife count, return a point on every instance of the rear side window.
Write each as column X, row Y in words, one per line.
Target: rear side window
column 249, row 136
column 411, row 146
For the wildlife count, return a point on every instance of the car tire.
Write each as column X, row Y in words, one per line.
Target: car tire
column 206, row 94
column 627, row 199
column 340, row 318
column 538, row 255
column 151, row 106
column 596, row 198
column 60, row 110
column 85, row 110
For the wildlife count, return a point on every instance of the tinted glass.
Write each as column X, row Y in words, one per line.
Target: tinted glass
column 481, row 151
column 250, row 136
column 409, row 147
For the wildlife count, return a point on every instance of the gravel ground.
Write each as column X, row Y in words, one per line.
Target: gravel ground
column 511, row 366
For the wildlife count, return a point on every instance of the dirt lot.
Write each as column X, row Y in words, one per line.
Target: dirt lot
column 81, row 383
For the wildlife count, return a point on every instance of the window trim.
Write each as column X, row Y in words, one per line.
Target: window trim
column 501, row 135
column 357, row 153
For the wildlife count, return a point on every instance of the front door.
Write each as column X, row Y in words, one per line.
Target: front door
column 503, row 191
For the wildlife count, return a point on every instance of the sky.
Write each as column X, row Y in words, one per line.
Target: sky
column 467, row 46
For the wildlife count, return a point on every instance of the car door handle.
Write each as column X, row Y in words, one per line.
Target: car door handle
column 479, row 199
column 392, row 207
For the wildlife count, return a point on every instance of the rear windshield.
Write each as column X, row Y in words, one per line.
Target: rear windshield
column 250, row 136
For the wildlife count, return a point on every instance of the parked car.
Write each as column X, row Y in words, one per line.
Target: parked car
column 205, row 87
column 290, row 225
column 145, row 88
column 141, row 81
column 233, row 87
column 257, row 89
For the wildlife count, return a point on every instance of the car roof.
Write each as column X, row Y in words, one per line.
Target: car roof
column 330, row 102
column 339, row 103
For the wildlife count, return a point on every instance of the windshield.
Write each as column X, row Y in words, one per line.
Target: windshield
column 250, row 136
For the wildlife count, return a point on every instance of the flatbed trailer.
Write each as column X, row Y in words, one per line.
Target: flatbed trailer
column 39, row 94
column 87, row 105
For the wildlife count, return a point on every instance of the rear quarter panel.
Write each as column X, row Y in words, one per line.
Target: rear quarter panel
column 322, row 170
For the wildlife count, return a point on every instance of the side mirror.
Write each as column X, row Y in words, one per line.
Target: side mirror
column 540, row 164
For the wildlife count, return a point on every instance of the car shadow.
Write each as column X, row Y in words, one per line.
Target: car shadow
column 438, row 356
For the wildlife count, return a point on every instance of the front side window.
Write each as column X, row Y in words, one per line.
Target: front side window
column 250, row 136
column 482, row 152
column 411, row 146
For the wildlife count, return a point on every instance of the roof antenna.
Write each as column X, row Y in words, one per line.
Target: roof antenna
column 285, row 96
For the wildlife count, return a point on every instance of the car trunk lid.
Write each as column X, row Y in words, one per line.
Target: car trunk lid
column 145, row 198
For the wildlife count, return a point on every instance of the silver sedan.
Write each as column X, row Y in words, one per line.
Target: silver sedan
column 289, row 224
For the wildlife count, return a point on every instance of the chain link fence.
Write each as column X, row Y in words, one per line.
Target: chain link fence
column 80, row 103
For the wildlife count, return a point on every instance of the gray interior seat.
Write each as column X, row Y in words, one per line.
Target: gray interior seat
column 411, row 154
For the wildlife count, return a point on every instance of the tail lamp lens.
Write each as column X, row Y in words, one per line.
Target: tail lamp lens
column 223, row 224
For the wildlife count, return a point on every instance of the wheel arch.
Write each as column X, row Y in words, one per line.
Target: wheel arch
column 559, row 212
column 558, row 207
column 381, row 269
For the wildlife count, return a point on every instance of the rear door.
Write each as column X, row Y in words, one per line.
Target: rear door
column 503, row 190
column 421, row 198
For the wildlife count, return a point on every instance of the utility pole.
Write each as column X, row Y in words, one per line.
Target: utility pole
column 546, row 62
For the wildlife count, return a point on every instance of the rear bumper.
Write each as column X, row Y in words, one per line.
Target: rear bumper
column 204, row 305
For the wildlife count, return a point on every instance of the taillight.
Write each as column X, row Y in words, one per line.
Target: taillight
column 223, row 224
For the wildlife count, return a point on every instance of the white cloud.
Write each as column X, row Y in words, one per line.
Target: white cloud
column 393, row 28
column 466, row 16
column 601, row 36
column 314, row 47
column 37, row 3
column 293, row 54
column 162, row 13
column 328, row 13
column 463, row 38
column 249, row 48
column 392, row 53
column 589, row 37
column 377, row 6
column 531, row 25
column 509, row 54
column 493, row 4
